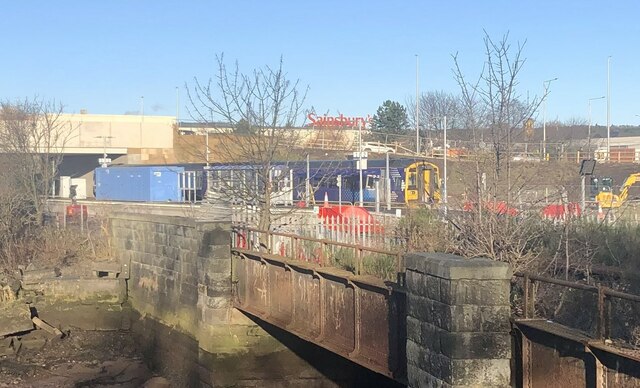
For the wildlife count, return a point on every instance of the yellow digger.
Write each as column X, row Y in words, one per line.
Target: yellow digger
column 607, row 199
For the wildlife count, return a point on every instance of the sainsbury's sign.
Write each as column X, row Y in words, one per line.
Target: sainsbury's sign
column 337, row 121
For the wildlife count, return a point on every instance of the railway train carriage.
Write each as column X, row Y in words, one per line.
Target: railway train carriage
column 409, row 182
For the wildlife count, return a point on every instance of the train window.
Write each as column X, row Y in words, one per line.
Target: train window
column 283, row 184
column 411, row 180
column 371, row 182
column 330, row 181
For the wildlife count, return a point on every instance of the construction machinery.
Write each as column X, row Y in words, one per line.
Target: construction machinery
column 607, row 199
column 599, row 184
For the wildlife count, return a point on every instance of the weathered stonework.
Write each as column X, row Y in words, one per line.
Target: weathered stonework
column 181, row 278
column 457, row 321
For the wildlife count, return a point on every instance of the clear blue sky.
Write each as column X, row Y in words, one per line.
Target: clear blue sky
column 104, row 55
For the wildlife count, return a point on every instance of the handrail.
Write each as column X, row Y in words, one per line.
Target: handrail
column 318, row 240
column 603, row 319
column 295, row 240
column 580, row 286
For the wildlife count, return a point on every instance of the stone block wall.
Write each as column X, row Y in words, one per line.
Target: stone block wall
column 180, row 268
column 458, row 321
column 180, row 284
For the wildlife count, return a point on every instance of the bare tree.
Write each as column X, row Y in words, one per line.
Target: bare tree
column 502, row 109
column 264, row 106
column 434, row 105
column 496, row 112
column 32, row 137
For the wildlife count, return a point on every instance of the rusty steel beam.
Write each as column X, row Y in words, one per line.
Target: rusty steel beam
column 350, row 315
column 596, row 348
column 527, row 372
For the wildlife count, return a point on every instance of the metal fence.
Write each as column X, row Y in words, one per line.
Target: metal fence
column 575, row 305
column 376, row 230
column 354, row 258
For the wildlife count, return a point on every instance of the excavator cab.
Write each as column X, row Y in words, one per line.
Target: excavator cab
column 598, row 185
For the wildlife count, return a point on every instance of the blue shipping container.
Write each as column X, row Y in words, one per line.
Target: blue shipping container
column 145, row 184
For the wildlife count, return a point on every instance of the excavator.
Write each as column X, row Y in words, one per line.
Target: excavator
column 606, row 199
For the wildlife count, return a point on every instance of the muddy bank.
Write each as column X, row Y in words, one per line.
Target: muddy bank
column 80, row 359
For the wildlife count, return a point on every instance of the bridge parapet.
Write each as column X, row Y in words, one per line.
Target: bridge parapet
column 457, row 321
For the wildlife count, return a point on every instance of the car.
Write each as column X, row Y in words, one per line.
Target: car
column 525, row 158
column 378, row 148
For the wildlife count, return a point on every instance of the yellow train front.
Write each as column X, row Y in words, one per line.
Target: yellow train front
column 422, row 184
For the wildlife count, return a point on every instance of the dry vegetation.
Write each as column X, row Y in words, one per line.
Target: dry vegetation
column 31, row 138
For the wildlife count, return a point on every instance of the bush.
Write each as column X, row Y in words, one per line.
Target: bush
column 423, row 231
column 49, row 247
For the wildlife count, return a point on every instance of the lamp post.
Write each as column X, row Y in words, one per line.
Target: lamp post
column 361, row 195
column 177, row 106
column 444, row 169
column 545, row 85
column 307, row 184
column 608, row 108
column 417, row 111
column 589, row 133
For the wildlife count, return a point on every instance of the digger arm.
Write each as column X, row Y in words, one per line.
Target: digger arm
column 609, row 200
column 624, row 191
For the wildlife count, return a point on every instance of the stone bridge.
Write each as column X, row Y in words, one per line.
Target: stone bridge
column 443, row 321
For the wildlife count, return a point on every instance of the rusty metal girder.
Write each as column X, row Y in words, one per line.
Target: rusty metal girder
column 356, row 317
column 553, row 355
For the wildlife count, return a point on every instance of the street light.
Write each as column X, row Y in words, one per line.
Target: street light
column 444, row 170
column 360, row 166
column 443, row 122
column 608, row 108
column 545, row 85
column 417, row 112
column 177, row 106
column 589, row 134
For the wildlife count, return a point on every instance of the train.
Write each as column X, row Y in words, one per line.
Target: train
column 401, row 181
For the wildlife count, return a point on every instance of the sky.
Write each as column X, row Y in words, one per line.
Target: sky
column 104, row 56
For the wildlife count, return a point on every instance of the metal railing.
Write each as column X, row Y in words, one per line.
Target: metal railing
column 355, row 258
column 604, row 295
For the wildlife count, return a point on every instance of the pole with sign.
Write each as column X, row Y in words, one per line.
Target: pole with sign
column 360, row 161
column 339, row 184
column 444, row 170
column 586, row 170
column 307, row 184
column 387, row 188
column 104, row 160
